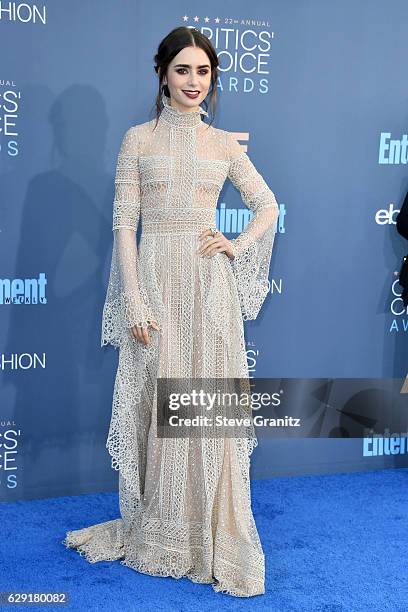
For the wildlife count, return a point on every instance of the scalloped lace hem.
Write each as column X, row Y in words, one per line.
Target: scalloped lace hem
column 221, row 583
column 105, row 542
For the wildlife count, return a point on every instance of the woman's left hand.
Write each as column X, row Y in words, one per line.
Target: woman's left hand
column 217, row 244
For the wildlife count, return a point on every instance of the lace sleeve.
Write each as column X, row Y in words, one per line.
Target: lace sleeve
column 253, row 247
column 124, row 306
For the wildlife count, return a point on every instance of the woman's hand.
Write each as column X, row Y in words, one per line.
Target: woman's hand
column 217, row 244
column 140, row 333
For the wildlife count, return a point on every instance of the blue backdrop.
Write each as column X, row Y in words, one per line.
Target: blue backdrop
column 317, row 93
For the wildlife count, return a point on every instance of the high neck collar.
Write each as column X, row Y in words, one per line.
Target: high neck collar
column 173, row 116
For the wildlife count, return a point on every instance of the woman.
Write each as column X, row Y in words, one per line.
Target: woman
column 175, row 309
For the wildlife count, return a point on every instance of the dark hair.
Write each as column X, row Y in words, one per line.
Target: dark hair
column 170, row 46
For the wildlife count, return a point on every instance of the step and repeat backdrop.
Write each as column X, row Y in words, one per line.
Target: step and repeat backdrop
column 316, row 93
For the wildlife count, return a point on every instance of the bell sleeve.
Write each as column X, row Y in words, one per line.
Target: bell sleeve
column 124, row 305
column 252, row 248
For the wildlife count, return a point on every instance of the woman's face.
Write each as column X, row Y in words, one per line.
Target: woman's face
column 190, row 71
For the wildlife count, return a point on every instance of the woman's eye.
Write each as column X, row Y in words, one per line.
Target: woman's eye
column 182, row 70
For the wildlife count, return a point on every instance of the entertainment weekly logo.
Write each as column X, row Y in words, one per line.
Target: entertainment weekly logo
column 243, row 47
column 377, row 446
column 234, row 220
column 392, row 151
column 23, row 290
column 23, row 12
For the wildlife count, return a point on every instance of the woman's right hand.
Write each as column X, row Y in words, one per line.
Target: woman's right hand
column 141, row 334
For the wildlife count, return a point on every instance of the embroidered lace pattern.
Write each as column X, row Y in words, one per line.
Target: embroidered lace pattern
column 185, row 504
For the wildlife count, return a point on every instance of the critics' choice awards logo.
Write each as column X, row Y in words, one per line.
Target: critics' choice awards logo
column 10, row 99
column 9, row 443
column 252, row 354
column 397, row 309
column 23, row 290
column 243, row 47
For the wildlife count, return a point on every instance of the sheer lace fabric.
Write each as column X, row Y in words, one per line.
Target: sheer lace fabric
column 185, row 507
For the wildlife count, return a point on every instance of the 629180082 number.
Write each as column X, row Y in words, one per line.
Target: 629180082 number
column 11, row 597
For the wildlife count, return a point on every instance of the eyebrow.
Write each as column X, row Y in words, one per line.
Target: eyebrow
column 188, row 66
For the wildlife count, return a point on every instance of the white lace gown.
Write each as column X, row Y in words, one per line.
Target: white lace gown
column 185, row 504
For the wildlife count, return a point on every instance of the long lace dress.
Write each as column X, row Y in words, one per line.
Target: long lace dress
column 185, row 506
